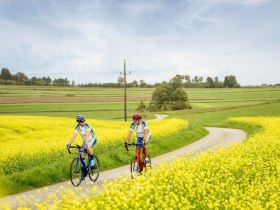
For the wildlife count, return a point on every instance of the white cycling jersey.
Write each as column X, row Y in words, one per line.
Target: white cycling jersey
column 139, row 129
column 83, row 129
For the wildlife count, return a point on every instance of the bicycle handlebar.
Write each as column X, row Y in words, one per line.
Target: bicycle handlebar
column 131, row 144
column 77, row 147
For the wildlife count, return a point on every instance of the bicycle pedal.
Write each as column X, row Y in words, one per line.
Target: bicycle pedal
column 93, row 167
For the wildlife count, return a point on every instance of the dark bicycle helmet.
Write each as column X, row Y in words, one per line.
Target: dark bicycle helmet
column 80, row 118
column 136, row 116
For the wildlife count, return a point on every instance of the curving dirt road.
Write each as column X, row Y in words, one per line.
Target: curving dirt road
column 217, row 136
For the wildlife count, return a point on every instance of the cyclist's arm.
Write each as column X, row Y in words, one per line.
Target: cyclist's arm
column 146, row 132
column 87, row 136
column 72, row 139
column 129, row 135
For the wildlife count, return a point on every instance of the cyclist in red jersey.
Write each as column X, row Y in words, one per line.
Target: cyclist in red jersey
column 143, row 133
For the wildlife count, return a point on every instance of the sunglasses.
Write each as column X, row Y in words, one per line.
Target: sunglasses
column 80, row 121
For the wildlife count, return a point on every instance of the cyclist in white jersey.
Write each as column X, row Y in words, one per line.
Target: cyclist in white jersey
column 89, row 138
column 143, row 133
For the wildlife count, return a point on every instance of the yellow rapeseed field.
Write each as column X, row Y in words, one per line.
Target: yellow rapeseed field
column 23, row 138
column 244, row 176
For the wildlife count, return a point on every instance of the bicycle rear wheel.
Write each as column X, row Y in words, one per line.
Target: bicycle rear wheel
column 134, row 167
column 76, row 172
column 94, row 172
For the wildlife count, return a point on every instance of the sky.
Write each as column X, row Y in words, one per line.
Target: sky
column 88, row 40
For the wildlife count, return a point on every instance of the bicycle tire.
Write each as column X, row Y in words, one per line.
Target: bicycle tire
column 134, row 168
column 94, row 173
column 76, row 172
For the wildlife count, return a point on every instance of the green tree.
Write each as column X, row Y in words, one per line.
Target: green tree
column 134, row 83
column 61, row 82
column 230, row 82
column 5, row 74
column 177, row 82
column 36, row 81
column 47, row 80
column 195, row 79
column 179, row 99
column 218, row 84
column 200, row 79
column 188, row 82
column 20, row 78
column 170, row 95
column 33, row 80
column 143, row 83
column 160, row 96
column 120, row 81
column 210, row 82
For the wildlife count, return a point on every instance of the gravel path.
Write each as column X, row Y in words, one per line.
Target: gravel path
column 217, row 136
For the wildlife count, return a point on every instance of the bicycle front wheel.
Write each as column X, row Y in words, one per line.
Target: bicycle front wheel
column 76, row 172
column 134, row 167
column 94, row 171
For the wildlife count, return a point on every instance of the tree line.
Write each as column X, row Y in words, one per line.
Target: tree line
column 7, row 78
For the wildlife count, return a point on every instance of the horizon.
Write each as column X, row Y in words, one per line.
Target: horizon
column 155, row 83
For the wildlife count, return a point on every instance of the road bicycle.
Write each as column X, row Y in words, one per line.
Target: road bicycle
column 137, row 164
column 80, row 169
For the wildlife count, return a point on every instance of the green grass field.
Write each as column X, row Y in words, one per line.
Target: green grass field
column 211, row 107
column 101, row 105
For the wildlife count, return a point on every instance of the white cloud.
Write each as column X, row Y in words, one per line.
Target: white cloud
column 210, row 10
column 214, row 38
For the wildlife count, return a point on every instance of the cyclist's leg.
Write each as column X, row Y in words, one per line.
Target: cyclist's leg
column 145, row 147
column 136, row 158
column 83, row 155
column 91, row 143
column 140, row 156
column 84, row 164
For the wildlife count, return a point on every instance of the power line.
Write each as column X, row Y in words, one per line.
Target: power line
column 39, row 59
column 69, row 73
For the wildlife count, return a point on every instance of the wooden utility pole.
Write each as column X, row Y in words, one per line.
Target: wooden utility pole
column 124, row 78
column 124, row 81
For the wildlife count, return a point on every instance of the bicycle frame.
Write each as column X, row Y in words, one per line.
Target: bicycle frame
column 137, row 164
column 85, row 169
column 79, row 153
column 138, row 157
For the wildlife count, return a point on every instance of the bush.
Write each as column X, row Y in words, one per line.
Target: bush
column 141, row 107
column 170, row 96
